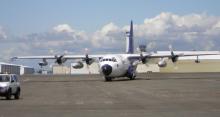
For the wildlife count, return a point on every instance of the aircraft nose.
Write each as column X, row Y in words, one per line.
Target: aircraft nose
column 106, row 69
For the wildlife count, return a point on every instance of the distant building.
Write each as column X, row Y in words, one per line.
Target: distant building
column 60, row 69
column 91, row 69
column 24, row 70
column 208, row 63
column 15, row 69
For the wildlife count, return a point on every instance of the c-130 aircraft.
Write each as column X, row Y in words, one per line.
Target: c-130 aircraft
column 118, row 65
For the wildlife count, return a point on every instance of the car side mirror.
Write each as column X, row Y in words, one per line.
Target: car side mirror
column 12, row 81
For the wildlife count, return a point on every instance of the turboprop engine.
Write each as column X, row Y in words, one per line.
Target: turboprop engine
column 162, row 63
column 60, row 59
column 77, row 65
column 43, row 63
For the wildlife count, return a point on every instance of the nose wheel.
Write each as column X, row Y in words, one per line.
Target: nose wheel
column 108, row 79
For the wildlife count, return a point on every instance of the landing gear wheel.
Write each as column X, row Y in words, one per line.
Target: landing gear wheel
column 132, row 77
column 107, row 79
column 8, row 95
column 17, row 94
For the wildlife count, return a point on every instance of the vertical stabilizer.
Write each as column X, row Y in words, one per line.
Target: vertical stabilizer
column 129, row 40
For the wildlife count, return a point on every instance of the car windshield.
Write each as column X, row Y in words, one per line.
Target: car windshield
column 4, row 79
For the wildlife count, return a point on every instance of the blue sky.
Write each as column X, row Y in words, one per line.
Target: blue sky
column 31, row 16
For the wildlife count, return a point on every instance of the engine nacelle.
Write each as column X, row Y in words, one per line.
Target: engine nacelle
column 43, row 63
column 162, row 63
column 174, row 58
column 88, row 60
column 197, row 60
column 60, row 59
column 77, row 65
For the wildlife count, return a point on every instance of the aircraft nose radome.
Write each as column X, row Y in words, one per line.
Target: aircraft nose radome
column 106, row 69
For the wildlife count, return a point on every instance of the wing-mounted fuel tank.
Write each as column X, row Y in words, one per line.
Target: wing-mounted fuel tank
column 77, row 65
column 162, row 63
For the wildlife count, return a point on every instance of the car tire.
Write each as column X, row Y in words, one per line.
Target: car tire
column 8, row 95
column 17, row 94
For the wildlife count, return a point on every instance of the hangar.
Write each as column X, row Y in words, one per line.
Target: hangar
column 15, row 69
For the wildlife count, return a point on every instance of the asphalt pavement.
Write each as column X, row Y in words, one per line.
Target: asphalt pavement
column 151, row 95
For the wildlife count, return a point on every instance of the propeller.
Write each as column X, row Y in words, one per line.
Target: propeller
column 60, row 59
column 44, row 63
column 142, row 58
column 173, row 57
column 197, row 59
column 87, row 60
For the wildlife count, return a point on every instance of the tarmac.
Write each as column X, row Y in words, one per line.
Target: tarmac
column 151, row 95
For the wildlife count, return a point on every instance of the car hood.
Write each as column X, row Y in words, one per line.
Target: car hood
column 4, row 84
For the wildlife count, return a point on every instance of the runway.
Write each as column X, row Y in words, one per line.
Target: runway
column 151, row 95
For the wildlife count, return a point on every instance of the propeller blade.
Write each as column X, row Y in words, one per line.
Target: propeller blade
column 87, row 66
column 170, row 48
column 59, row 59
column 173, row 56
column 87, row 59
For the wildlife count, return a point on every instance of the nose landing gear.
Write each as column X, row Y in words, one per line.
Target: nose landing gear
column 107, row 79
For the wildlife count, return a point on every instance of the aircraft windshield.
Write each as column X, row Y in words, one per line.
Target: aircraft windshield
column 4, row 79
column 109, row 59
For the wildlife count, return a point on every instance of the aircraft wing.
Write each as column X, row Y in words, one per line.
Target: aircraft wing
column 83, row 56
column 57, row 56
column 182, row 54
column 167, row 54
column 133, row 57
column 34, row 57
column 60, row 59
column 162, row 54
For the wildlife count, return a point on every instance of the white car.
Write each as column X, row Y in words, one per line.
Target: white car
column 9, row 85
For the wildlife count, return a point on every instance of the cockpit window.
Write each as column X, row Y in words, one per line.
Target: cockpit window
column 108, row 59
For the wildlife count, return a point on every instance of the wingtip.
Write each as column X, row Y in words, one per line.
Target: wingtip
column 13, row 59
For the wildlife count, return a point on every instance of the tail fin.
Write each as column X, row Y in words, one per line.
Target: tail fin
column 129, row 40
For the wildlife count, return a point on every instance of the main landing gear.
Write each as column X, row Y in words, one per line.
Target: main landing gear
column 132, row 76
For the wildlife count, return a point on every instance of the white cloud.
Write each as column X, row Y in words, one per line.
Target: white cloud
column 3, row 34
column 185, row 32
column 109, row 35
column 63, row 28
column 69, row 32
column 171, row 25
column 214, row 30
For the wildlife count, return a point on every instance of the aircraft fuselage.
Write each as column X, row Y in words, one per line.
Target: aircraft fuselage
column 115, row 65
